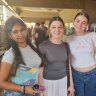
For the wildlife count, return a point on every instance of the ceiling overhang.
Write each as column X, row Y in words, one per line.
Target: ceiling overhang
column 73, row 4
column 38, row 10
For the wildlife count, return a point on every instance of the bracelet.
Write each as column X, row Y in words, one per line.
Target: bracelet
column 23, row 89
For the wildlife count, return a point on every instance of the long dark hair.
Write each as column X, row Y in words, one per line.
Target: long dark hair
column 11, row 43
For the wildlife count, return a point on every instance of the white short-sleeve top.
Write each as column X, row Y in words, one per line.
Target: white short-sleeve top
column 30, row 57
column 82, row 49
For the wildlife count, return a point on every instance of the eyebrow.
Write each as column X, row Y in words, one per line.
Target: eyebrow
column 79, row 20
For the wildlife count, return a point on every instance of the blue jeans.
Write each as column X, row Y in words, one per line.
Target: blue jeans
column 85, row 83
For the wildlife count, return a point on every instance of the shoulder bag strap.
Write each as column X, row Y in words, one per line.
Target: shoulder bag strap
column 67, row 64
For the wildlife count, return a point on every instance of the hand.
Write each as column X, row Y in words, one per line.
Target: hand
column 29, row 90
column 41, row 94
column 71, row 90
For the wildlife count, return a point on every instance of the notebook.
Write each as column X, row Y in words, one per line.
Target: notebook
column 26, row 75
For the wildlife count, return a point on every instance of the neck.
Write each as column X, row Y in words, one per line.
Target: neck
column 22, row 45
column 56, row 41
column 80, row 33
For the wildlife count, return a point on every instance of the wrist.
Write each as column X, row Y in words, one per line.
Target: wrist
column 22, row 89
column 72, row 85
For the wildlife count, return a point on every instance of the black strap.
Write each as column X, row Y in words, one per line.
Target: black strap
column 67, row 64
column 1, row 57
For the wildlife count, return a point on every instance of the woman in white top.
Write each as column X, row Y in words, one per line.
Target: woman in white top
column 82, row 47
column 20, row 51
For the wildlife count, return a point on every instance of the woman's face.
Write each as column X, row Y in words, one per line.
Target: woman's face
column 80, row 24
column 56, row 29
column 18, row 33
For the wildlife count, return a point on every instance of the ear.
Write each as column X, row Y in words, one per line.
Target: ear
column 87, row 28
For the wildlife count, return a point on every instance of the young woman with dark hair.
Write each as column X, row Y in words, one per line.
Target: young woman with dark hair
column 20, row 52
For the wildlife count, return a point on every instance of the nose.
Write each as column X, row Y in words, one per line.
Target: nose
column 80, row 25
column 57, row 29
column 19, row 33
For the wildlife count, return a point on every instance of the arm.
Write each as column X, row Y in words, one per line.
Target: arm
column 8, row 85
column 70, row 68
column 40, row 78
column 4, row 76
column 71, row 87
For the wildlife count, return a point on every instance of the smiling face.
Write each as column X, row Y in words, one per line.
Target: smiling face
column 80, row 24
column 56, row 29
column 19, row 34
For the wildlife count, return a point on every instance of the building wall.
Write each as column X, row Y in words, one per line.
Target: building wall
column 5, row 13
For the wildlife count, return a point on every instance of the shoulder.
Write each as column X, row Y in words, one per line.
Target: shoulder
column 93, row 34
column 44, row 44
column 9, row 52
column 66, row 44
column 8, row 56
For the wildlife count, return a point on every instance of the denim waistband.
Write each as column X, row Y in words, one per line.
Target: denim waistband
column 89, row 72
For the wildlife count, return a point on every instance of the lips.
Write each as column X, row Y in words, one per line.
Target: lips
column 21, row 38
column 57, row 33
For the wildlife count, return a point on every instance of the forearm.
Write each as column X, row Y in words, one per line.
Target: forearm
column 71, row 78
column 40, row 77
column 70, row 72
column 9, row 86
column 4, row 78
column 17, row 88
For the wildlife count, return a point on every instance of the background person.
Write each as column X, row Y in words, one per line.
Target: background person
column 82, row 47
column 38, row 34
column 45, row 29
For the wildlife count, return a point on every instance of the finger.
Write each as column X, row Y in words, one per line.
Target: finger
column 71, row 94
column 33, row 93
column 36, row 92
